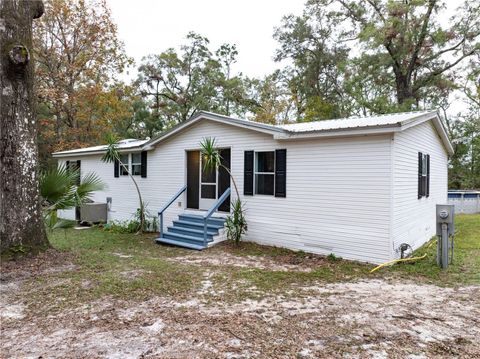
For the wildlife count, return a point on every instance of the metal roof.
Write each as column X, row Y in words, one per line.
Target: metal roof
column 355, row 122
column 121, row 145
column 325, row 128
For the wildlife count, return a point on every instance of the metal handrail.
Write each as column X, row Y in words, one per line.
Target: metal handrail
column 160, row 213
column 212, row 209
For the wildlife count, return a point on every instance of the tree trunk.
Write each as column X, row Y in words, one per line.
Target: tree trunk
column 404, row 91
column 21, row 221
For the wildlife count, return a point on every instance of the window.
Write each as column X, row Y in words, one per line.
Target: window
column 423, row 175
column 123, row 160
column 136, row 164
column 265, row 173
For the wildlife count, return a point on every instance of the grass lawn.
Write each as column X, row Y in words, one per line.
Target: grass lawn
column 466, row 262
column 122, row 295
column 134, row 266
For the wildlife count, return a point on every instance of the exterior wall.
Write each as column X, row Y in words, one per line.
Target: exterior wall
column 413, row 218
column 338, row 190
column 121, row 189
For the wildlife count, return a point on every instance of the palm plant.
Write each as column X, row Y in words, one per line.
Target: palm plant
column 111, row 155
column 59, row 191
column 212, row 160
column 236, row 223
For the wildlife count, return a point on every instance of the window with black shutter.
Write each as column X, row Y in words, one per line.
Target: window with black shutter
column 144, row 164
column 265, row 173
column 116, row 168
column 423, row 175
column 427, row 179
column 136, row 164
column 280, row 173
column 248, row 173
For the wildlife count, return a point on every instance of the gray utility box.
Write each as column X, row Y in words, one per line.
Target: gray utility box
column 445, row 214
column 93, row 212
column 445, row 233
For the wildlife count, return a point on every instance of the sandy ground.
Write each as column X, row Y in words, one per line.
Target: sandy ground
column 363, row 319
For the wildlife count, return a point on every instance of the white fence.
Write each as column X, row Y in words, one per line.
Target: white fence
column 465, row 201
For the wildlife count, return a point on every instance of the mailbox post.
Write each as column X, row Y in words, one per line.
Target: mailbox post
column 445, row 233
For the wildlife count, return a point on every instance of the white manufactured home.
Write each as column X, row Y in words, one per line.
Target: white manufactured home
column 355, row 187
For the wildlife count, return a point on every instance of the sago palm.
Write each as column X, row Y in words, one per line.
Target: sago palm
column 59, row 191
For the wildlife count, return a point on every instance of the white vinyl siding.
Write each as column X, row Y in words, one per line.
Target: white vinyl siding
column 414, row 218
column 338, row 190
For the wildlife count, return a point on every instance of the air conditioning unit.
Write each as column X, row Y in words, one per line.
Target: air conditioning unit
column 93, row 212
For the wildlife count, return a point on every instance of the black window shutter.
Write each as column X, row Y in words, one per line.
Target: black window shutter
column 420, row 192
column 79, row 163
column 67, row 166
column 280, row 173
column 248, row 173
column 116, row 164
column 144, row 164
column 428, row 177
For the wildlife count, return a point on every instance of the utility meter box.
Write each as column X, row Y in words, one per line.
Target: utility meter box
column 445, row 214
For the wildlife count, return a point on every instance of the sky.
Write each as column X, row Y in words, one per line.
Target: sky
column 150, row 27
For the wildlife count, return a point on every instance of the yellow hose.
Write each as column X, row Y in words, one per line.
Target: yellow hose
column 402, row 260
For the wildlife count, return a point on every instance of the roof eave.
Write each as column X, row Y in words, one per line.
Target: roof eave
column 95, row 152
column 259, row 127
column 372, row 130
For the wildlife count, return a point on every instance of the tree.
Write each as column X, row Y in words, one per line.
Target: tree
column 79, row 55
column 464, row 130
column 21, row 224
column 180, row 83
column 270, row 99
column 419, row 51
column 315, row 76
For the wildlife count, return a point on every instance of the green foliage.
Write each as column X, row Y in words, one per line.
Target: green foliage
column 134, row 225
column 59, row 190
column 178, row 83
column 211, row 158
column 112, row 154
column 236, row 223
column 332, row 257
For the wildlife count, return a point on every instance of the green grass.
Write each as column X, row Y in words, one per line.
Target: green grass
column 128, row 266
column 465, row 268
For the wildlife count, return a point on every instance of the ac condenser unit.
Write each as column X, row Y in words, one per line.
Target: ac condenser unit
column 93, row 212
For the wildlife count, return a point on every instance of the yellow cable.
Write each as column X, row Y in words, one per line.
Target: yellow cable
column 402, row 260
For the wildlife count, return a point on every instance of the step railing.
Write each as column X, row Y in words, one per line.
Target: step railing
column 212, row 209
column 160, row 213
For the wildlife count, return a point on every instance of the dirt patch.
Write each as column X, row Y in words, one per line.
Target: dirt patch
column 50, row 261
column 373, row 318
column 282, row 264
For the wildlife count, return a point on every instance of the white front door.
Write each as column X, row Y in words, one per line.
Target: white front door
column 208, row 187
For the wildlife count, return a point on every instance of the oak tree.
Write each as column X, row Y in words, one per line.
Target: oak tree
column 21, row 222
